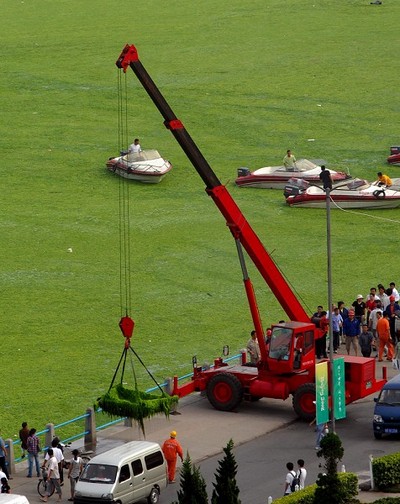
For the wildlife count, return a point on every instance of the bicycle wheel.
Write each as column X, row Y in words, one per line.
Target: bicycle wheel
column 41, row 488
column 45, row 488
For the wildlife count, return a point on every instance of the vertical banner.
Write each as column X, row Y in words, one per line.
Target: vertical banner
column 338, row 392
column 321, row 392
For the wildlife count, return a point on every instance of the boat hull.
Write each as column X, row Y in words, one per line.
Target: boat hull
column 357, row 193
column 346, row 203
column 147, row 167
column 394, row 159
column 277, row 177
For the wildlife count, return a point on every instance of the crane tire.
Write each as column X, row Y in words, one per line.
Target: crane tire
column 224, row 391
column 379, row 194
column 304, row 401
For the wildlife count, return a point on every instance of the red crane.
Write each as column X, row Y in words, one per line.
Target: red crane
column 287, row 365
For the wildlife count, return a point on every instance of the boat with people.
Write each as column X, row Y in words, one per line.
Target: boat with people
column 276, row 177
column 146, row 166
column 351, row 194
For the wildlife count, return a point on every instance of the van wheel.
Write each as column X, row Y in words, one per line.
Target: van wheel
column 154, row 496
column 377, row 435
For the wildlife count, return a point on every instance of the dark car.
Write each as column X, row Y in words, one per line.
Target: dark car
column 387, row 409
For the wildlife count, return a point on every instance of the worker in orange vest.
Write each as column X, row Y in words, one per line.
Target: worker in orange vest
column 383, row 331
column 171, row 449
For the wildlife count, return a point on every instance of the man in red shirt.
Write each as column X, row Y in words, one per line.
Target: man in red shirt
column 171, row 449
column 320, row 344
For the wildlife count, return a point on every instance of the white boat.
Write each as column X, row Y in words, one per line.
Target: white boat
column 355, row 193
column 276, row 177
column 146, row 166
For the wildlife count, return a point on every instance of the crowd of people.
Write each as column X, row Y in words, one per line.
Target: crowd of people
column 52, row 466
column 367, row 325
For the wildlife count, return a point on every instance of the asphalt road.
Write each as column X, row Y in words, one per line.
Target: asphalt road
column 262, row 461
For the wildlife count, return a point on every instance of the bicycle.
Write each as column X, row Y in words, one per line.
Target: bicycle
column 45, row 487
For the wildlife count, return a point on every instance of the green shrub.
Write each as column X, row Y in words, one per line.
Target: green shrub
column 193, row 486
column 386, row 471
column 226, row 490
column 305, row 496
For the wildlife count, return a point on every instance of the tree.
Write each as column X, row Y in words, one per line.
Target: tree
column 330, row 489
column 225, row 489
column 193, row 487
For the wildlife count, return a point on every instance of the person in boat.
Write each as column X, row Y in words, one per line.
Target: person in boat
column 135, row 147
column 289, row 161
column 384, row 180
column 326, row 178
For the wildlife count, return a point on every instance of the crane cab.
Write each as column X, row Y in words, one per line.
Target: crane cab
column 291, row 347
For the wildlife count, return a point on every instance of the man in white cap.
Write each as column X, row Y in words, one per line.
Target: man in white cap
column 359, row 308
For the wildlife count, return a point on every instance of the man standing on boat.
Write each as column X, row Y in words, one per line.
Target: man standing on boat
column 289, row 161
column 135, row 147
column 326, row 178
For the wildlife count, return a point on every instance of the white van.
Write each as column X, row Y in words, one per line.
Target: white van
column 124, row 475
column 13, row 499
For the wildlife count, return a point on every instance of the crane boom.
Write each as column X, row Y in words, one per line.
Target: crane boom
column 235, row 220
column 287, row 367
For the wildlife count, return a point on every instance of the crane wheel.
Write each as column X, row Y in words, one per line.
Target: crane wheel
column 224, row 391
column 304, row 401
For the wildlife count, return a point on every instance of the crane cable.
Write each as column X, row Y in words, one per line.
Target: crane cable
column 125, row 241
column 124, row 202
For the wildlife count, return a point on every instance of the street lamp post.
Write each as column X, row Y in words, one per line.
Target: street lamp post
column 329, row 267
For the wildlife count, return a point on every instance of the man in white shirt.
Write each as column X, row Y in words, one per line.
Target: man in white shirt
column 372, row 321
column 384, row 298
column 135, row 147
column 302, row 473
column 57, row 452
column 289, row 478
column 53, row 476
column 395, row 292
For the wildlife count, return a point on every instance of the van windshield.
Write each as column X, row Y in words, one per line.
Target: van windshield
column 99, row 473
column 390, row 397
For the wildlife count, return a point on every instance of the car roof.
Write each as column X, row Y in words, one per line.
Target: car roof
column 394, row 383
column 121, row 453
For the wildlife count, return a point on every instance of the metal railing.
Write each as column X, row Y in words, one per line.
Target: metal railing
column 89, row 430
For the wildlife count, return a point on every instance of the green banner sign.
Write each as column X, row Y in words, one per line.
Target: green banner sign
column 321, row 392
column 339, row 398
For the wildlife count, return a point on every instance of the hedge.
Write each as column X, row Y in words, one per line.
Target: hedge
column 306, row 496
column 386, row 471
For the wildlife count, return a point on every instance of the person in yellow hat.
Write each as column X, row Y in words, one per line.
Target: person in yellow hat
column 171, row 449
